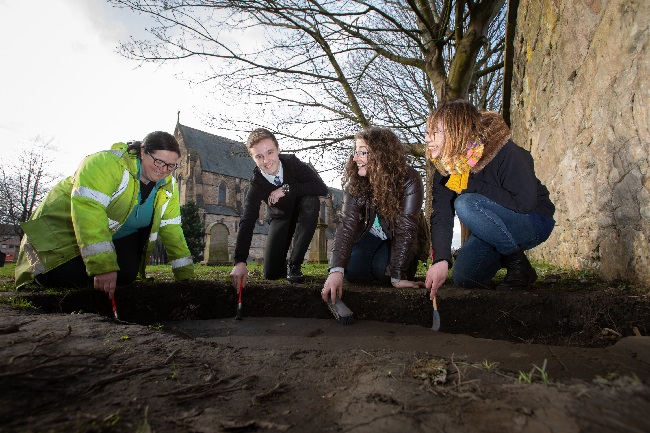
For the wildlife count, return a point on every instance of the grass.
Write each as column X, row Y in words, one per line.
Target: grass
column 7, row 277
column 316, row 273
column 530, row 377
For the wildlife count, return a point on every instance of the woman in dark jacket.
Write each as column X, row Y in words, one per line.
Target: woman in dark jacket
column 490, row 183
column 376, row 236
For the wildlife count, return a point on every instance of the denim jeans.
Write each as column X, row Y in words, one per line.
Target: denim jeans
column 496, row 232
column 368, row 260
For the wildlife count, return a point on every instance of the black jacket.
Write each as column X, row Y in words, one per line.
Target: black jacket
column 358, row 215
column 302, row 180
column 505, row 174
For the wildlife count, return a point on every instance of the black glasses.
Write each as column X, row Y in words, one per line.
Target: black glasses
column 359, row 153
column 162, row 164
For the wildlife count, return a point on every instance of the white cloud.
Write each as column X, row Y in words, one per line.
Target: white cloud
column 62, row 78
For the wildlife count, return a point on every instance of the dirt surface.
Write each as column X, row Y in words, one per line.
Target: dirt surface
column 188, row 366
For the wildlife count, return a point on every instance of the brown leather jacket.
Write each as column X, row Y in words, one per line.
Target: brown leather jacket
column 358, row 215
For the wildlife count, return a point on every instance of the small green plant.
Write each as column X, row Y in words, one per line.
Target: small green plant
column 542, row 372
column 124, row 337
column 144, row 426
column 525, row 377
column 173, row 376
column 489, row 366
column 528, row 377
column 157, row 327
column 111, row 420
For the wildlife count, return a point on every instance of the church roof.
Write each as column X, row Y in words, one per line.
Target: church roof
column 218, row 154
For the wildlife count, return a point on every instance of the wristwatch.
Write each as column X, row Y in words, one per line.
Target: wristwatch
column 285, row 188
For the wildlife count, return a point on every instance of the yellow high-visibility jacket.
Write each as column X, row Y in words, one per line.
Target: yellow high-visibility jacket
column 81, row 213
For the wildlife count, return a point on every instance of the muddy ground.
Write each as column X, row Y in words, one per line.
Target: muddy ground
column 552, row 359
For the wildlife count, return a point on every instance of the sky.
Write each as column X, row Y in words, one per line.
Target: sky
column 63, row 80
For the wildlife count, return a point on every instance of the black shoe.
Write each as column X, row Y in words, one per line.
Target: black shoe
column 520, row 273
column 294, row 274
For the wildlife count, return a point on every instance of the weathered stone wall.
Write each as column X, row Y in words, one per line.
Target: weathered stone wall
column 581, row 103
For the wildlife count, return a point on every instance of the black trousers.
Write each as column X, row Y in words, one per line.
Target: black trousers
column 300, row 227
column 72, row 273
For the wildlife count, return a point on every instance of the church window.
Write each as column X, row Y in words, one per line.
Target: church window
column 222, row 193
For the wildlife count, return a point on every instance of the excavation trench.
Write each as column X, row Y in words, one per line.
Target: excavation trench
column 583, row 318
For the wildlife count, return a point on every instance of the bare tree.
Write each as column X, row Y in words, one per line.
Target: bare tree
column 24, row 184
column 319, row 69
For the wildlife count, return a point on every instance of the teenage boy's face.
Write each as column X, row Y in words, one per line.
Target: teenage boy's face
column 266, row 156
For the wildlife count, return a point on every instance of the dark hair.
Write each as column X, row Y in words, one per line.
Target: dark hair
column 258, row 135
column 387, row 169
column 157, row 140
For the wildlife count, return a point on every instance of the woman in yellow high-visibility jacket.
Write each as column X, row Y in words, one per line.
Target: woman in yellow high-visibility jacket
column 97, row 228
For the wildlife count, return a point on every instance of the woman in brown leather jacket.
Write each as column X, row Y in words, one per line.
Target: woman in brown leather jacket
column 376, row 237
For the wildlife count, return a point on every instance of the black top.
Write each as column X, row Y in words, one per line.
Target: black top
column 508, row 179
column 302, row 180
column 358, row 216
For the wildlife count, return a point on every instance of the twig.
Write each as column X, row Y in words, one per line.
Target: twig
column 39, row 345
column 277, row 388
column 457, row 371
column 126, row 374
column 195, row 387
column 557, row 358
column 181, row 333
column 42, row 366
column 14, row 327
column 237, row 386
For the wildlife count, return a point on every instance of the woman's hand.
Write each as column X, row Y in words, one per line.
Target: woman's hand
column 106, row 283
column 275, row 196
column 333, row 287
column 406, row 284
column 436, row 276
column 239, row 275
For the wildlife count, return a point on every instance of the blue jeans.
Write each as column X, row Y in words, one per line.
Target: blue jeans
column 496, row 232
column 368, row 260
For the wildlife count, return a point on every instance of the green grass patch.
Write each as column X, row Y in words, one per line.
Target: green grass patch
column 7, row 277
column 18, row 302
column 548, row 276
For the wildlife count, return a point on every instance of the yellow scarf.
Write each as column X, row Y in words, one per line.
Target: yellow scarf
column 459, row 167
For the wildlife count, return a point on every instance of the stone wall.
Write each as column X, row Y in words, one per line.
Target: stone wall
column 581, row 104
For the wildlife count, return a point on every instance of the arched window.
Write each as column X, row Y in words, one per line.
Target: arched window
column 322, row 212
column 222, row 193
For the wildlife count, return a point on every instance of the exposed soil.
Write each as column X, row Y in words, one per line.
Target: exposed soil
column 177, row 361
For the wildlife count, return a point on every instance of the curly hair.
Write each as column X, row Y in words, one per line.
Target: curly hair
column 386, row 171
column 461, row 123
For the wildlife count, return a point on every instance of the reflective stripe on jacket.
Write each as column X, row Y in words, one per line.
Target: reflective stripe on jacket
column 81, row 213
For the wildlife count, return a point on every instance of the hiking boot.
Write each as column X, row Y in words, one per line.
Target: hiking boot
column 520, row 273
column 294, row 273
